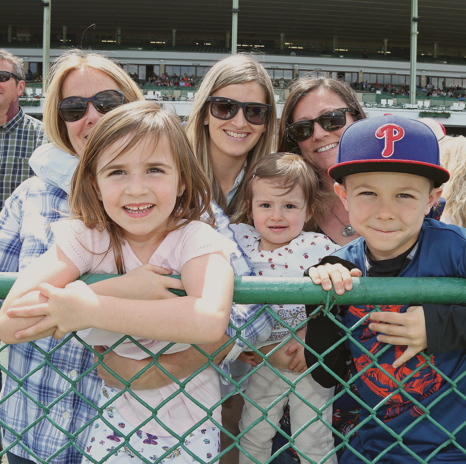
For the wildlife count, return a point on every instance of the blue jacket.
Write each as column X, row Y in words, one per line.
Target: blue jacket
column 432, row 395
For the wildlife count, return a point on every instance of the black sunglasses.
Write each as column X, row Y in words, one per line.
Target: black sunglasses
column 331, row 121
column 7, row 75
column 226, row 108
column 74, row 108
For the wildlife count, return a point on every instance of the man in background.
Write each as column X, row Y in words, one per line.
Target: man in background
column 20, row 134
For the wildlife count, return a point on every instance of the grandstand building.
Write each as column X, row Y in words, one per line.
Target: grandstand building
column 358, row 40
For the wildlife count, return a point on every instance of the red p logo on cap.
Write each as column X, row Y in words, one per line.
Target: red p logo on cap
column 391, row 133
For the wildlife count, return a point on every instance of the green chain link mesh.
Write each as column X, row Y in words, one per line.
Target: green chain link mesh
column 277, row 291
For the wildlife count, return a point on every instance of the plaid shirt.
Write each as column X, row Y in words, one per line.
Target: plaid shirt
column 19, row 137
column 24, row 235
column 260, row 328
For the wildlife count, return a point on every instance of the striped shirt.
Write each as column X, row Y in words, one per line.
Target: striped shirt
column 19, row 137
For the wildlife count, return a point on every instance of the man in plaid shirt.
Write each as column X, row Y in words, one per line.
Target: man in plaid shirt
column 20, row 134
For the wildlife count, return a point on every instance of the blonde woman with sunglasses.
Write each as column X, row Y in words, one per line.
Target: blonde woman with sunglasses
column 83, row 87
column 232, row 124
column 96, row 85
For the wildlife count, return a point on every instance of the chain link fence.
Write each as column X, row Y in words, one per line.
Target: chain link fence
column 402, row 390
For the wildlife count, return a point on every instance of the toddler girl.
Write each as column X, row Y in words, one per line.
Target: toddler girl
column 281, row 194
column 137, row 195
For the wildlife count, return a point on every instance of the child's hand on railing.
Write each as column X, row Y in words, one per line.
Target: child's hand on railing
column 404, row 329
column 146, row 282
column 60, row 310
column 336, row 273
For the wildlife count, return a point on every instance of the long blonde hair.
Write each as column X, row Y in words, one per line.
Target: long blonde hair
column 138, row 120
column 235, row 69
column 453, row 158
column 55, row 127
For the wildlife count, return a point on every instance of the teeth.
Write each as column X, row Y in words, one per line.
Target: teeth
column 327, row 147
column 138, row 209
column 236, row 135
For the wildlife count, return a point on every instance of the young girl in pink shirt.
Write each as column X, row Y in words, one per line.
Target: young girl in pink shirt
column 137, row 197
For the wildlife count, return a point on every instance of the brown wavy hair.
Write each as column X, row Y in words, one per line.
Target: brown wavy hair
column 286, row 171
column 139, row 120
column 299, row 89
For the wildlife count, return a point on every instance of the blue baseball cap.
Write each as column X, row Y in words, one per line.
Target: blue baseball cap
column 389, row 143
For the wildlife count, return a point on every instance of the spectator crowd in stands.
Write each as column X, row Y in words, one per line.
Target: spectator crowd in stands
column 428, row 90
column 165, row 80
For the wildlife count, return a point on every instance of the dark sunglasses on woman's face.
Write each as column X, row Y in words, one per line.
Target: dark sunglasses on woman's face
column 226, row 108
column 7, row 75
column 74, row 108
column 331, row 121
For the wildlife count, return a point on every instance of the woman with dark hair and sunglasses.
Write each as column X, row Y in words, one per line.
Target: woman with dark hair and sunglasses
column 316, row 113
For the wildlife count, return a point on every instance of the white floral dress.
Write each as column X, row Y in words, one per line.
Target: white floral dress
column 306, row 249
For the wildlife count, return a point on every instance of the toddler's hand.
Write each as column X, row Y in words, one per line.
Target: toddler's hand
column 248, row 357
column 336, row 273
column 298, row 363
column 403, row 329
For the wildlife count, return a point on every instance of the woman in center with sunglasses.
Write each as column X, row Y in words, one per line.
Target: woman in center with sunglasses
column 232, row 124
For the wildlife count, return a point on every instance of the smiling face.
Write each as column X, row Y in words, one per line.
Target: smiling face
column 321, row 148
column 139, row 188
column 387, row 209
column 279, row 217
column 236, row 137
column 85, row 83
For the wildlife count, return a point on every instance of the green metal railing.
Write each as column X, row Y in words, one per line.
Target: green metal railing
column 402, row 291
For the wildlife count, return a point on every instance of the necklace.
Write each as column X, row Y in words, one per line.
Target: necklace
column 348, row 230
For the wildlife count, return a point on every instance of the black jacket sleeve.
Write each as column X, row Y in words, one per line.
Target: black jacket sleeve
column 445, row 327
column 321, row 334
column 333, row 260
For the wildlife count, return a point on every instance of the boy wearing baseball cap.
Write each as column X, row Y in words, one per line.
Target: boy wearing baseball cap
column 388, row 176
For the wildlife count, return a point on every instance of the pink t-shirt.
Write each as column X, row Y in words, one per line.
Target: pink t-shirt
column 86, row 249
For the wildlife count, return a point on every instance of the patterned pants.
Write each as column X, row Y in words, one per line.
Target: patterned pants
column 204, row 444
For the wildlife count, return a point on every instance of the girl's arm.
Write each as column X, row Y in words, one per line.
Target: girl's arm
column 180, row 365
column 146, row 282
column 200, row 317
column 52, row 267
